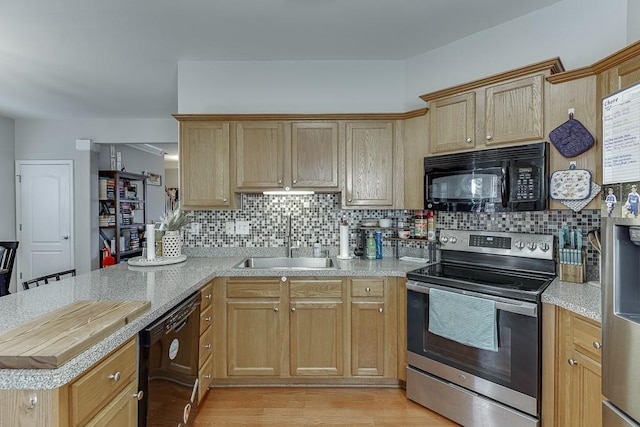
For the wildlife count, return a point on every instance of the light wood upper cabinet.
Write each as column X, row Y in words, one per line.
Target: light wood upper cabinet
column 205, row 159
column 369, row 164
column 314, row 155
column 452, row 123
column 281, row 155
column 514, row 111
column 259, row 155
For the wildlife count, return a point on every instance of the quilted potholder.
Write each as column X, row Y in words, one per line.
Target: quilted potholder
column 570, row 184
column 571, row 138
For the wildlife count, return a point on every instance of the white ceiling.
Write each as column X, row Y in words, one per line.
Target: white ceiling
column 119, row 58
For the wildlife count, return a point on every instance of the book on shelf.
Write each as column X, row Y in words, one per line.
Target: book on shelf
column 106, row 188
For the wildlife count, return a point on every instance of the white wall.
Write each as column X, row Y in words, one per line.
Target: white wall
column 7, row 178
column 633, row 21
column 290, row 86
column 580, row 32
column 55, row 139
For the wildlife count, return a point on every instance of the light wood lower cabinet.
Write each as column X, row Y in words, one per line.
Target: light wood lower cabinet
column 205, row 364
column 572, row 389
column 305, row 329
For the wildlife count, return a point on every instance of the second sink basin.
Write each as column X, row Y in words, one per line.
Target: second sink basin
column 301, row 263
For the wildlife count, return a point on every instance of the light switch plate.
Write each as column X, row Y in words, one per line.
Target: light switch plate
column 230, row 227
column 195, row 228
column 242, row 227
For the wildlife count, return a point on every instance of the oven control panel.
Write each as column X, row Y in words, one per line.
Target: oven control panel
column 499, row 243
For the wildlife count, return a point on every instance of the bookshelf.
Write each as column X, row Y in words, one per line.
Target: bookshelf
column 122, row 213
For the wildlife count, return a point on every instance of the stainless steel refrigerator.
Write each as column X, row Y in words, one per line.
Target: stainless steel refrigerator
column 621, row 322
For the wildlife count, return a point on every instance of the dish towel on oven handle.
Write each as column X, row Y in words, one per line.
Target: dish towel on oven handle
column 468, row 320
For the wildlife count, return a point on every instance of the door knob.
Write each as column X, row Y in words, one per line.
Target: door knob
column 65, row 237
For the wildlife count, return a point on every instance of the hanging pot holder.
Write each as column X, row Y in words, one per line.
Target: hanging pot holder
column 570, row 184
column 571, row 138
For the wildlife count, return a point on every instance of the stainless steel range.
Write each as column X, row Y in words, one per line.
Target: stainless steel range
column 474, row 327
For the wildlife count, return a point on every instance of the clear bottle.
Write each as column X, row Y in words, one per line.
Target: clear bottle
column 371, row 247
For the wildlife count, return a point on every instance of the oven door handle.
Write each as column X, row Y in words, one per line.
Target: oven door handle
column 512, row 306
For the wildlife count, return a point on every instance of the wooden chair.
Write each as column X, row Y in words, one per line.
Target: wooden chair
column 8, row 251
column 44, row 280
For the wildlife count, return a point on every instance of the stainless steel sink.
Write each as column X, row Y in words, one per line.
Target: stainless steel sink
column 301, row 263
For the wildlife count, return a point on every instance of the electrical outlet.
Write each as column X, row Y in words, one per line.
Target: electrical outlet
column 195, row 228
column 242, row 227
column 230, row 227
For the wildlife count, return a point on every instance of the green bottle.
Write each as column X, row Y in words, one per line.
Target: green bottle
column 371, row 247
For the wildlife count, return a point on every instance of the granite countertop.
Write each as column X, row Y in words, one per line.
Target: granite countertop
column 166, row 286
column 581, row 298
column 163, row 286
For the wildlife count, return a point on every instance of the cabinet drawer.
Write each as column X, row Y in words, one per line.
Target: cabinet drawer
column 587, row 336
column 96, row 388
column 258, row 288
column 300, row 288
column 205, row 376
column 367, row 288
column 207, row 295
column 206, row 347
column 206, row 319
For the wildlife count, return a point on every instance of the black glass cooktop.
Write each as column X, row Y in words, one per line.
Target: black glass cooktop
column 488, row 280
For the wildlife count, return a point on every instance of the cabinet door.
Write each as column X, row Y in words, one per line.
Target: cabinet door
column 452, row 123
column 204, row 165
column 314, row 155
column 259, row 155
column 586, row 391
column 367, row 338
column 369, row 166
column 514, row 111
column 121, row 411
column 253, row 338
column 316, row 338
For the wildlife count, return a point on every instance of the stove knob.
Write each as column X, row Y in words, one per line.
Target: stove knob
column 532, row 246
column 544, row 246
column 453, row 239
column 519, row 244
column 444, row 239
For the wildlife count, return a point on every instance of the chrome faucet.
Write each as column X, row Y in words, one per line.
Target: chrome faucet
column 289, row 241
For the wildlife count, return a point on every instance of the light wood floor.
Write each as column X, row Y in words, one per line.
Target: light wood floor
column 301, row 406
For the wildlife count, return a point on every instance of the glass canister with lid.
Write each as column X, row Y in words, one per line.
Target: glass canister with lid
column 420, row 224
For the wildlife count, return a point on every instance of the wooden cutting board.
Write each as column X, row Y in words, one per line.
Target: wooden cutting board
column 54, row 338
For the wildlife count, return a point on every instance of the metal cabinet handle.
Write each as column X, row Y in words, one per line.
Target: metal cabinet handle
column 295, row 181
column 489, row 137
column 280, row 182
column 469, row 140
column 208, row 376
column 276, row 309
column 33, row 401
column 208, row 296
column 115, row 377
column 225, row 200
column 572, row 362
column 207, row 346
column 349, row 200
column 367, row 289
column 293, row 309
column 283, row 279
column 139, row 395
column 597, row 345
column 207, row 319
column 381, row 309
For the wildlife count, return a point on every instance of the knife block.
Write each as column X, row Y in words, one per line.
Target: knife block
column 573, row 272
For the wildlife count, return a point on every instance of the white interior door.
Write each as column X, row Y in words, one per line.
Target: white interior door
column 44, row 193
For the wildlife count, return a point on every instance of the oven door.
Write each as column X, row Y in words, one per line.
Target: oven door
column 510, row 375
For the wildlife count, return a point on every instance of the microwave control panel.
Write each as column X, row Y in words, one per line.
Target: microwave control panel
column 525, row 184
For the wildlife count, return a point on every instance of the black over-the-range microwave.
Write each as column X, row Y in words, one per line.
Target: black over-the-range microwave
column 496, row 180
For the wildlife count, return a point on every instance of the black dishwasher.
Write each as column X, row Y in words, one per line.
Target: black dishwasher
column 168, row 366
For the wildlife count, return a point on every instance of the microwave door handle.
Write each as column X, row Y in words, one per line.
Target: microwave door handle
column 504, row 181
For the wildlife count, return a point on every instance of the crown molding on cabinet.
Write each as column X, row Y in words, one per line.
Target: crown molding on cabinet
column 553, row 65
column 286, row 116
column 613, row 60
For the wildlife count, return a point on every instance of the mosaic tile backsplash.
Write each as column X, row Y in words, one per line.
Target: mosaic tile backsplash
column 317, row 217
